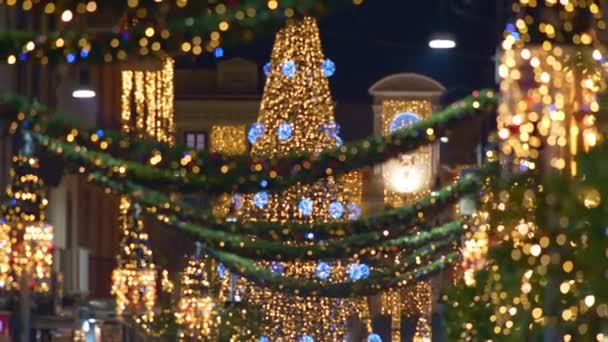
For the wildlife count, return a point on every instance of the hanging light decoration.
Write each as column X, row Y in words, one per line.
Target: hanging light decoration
column 146, row 111
column 298, row 115
column 6, row 277
column 38, row 249
column 134, row 278
column 31, row 239
column 406, row 179
column 196, row 310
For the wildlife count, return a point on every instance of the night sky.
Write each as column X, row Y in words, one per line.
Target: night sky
column 383, row 37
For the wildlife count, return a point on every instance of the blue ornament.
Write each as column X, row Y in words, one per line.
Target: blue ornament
column 328, row 67
column 263, row 339
column 353, row 211
column 354, row 272
column 260, row 199
column 305, row 206
column 307, row 338
column 339, row 141
column 221, row 270
column 332, row 129
column 323, row 271
column 374, row 338
column 364, row 269
column 23, row 56
column 84, row 53
column 289, row 68
column 218, row 52
column 336, row 209
column 276, row 267
column 256, row 131
column 70, row 58
column 267, row 67
column 100, row 133
column 403, row 120
column 284, row 131
column 237, row 200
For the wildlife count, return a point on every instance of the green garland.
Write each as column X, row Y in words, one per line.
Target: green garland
column 183, row 25
column 566, row 277
column 259, row 249
column 215, row 173
column 395, row 275
column 392, row 220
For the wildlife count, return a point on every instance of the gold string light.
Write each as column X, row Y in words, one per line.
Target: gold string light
column 38, row 249
column 549, row 89
column 6, row 276
column 406, row 179
column 134, row 278
column 147, row 99
column 409, row 176
column 31, row 238
column 298, row 115
column 228, row 139
column 475, row 247
column 146, row 111
column 196, row 310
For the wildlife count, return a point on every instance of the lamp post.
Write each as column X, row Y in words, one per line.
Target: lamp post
column 442, row 39
column 83, row 90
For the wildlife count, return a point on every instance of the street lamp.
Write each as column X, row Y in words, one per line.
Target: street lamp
column 442, row 41
column 83, row 90
column 441, row 38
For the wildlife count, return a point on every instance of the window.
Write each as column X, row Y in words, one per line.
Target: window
column 195, row 140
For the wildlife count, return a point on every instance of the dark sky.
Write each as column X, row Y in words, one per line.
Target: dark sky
column 382, row 37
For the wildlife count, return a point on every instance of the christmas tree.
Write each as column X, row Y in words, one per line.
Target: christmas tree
column 296, row 115
column 545, row 217
column 134, row 278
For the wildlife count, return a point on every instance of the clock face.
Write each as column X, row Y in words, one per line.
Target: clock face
column 408, row 173
column 403, row 120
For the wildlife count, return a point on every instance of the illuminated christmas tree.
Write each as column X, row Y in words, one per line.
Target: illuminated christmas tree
column 297, row 115
column 6, row 277
column 31, row 237
column 146, row 111
column 196, row 309
column 134, row 278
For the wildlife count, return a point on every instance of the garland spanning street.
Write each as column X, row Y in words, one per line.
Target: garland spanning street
column 216, row 174
column 287, row 248
column 164, row 29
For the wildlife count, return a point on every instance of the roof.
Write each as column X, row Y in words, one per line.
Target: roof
column 406, row 85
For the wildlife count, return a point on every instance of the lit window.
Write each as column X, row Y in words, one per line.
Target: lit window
column 195, row 140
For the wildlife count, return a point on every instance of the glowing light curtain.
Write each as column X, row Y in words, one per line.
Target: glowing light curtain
column 6, row 274
column 409, row 176
column 147, row 102
column 134, row 278
column 406, row 179
column 146, row 111
column 196, row 310
column 548, row 102
column 31, row 238
column 297, row 114
column 228, row 139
